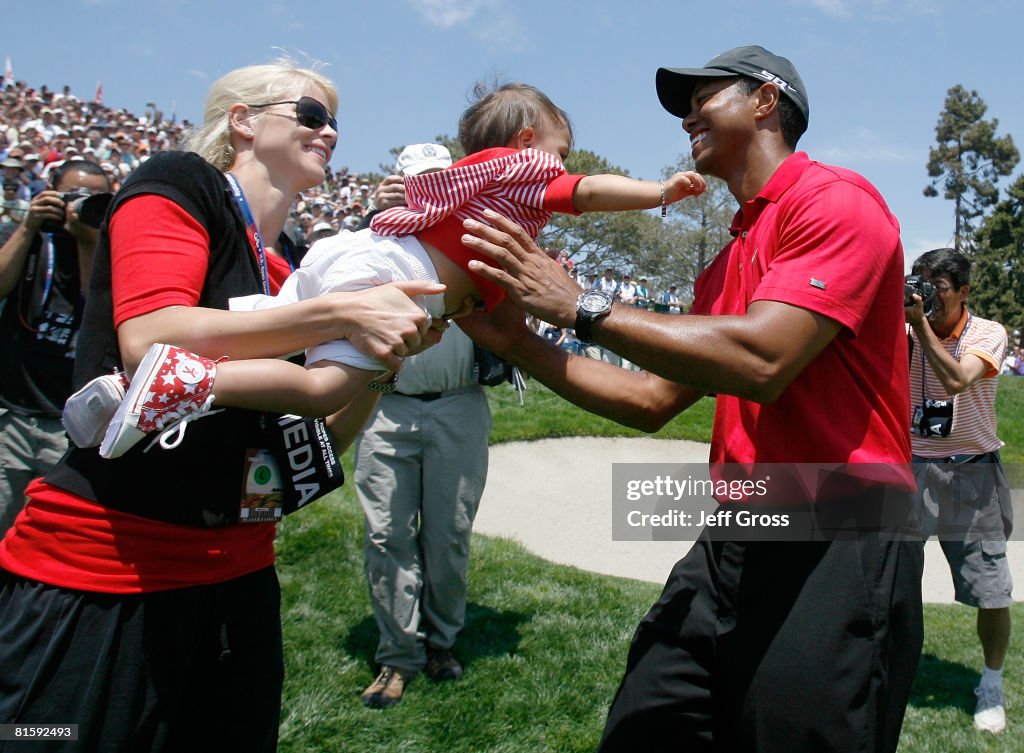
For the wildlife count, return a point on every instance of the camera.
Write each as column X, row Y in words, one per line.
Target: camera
column 91, row 207
column 918, row 285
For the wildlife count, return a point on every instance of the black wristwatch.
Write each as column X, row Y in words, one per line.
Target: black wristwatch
column 590, row 306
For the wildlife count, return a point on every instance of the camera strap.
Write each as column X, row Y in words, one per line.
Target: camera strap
column 956, row 353
column 32, row 308
column 51, row 264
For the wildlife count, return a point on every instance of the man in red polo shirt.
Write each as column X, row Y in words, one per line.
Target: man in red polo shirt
column 755, row 644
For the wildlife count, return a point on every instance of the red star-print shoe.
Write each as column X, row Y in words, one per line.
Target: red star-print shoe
column 87, row 413
column 170, row 388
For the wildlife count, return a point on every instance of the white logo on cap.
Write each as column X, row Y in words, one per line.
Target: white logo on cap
column 781, row 83
column 429, row 151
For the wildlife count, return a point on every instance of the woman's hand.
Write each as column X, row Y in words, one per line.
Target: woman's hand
column 385, row 323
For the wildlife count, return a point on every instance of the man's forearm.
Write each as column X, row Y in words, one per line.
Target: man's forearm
column 950, row 372
column 754, row 356
column 632, row 398
column 12, row 258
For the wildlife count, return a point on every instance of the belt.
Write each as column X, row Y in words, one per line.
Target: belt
column 424, row 396
column 985, row 457
column 428, row 397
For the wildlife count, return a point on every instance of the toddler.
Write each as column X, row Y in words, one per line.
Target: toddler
column 517, row 141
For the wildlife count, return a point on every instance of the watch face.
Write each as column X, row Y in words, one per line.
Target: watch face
column 595, row 302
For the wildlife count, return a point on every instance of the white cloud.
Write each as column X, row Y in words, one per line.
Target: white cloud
column 864, row 145
column 446, row 14
column 834, row 8
column 198, row 74
column 860, row 153
column 873, row 10
column 915, row 245
column 487, row 20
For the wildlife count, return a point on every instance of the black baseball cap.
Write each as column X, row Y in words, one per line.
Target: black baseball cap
column 675, row 85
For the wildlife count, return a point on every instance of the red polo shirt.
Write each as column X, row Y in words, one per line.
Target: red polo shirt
column 821, row 238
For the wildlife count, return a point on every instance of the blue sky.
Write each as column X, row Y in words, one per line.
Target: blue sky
column 877, row 71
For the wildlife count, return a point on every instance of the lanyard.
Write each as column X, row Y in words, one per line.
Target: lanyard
column 286, row 249
column 956, row 352
column 255, row 239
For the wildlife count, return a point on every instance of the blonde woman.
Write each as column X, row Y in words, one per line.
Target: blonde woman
column 136, row 602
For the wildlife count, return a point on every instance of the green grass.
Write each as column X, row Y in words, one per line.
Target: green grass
column 1010, row 416
column 544, row 645
column 543, row 648
column 544, row 414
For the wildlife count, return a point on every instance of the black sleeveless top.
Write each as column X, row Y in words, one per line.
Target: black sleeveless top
column 198, row 483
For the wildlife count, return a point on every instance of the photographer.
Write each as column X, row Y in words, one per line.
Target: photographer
column 44, row 269
column 964, row 496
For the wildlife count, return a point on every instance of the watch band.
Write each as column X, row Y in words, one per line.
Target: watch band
column 388, row 386
column 582, row 328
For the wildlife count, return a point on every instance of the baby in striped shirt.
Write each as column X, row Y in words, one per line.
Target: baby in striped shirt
column 517, row 140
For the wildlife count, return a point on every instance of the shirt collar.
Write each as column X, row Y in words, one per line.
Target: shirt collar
column 785, row 175
column 959, row 328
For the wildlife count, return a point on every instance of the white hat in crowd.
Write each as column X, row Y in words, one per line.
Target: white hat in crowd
column 418, row 158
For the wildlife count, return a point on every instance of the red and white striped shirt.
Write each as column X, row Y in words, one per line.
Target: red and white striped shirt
column 524, row 185
column 974, row 409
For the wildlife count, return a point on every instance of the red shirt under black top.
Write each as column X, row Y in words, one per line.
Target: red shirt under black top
column 67, row 541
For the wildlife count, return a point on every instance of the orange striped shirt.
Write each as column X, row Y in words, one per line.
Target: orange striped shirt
column 974, row 409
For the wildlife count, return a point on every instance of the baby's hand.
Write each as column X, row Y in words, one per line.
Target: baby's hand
column 681, row 185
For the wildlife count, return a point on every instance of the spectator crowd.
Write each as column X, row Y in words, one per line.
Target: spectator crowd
column 40, row 129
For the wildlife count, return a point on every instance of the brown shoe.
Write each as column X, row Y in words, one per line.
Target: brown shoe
column 442, row 665
column 388, row 688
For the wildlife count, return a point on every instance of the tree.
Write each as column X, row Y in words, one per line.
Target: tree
column 625, row 241
column 997, row 275
column 698, row 227
column 670, row 251
column 968, row 160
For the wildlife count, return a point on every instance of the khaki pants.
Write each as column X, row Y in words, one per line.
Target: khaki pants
column 29, row 448
column 420, row 469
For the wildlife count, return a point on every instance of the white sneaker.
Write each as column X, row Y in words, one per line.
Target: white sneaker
column 990, row 713
column 87, row 413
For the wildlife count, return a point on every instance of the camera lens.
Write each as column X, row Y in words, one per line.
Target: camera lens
column 91, row 209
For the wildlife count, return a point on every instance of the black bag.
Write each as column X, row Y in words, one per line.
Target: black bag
column 490, row 369
column 294, row 463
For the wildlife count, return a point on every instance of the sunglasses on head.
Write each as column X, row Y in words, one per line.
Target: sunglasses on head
column 309, row 112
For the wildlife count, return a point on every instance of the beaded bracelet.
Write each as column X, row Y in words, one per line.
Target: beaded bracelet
column 664, row 206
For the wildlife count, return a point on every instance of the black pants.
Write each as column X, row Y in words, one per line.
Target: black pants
column 775, row 646
column 195, row 669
